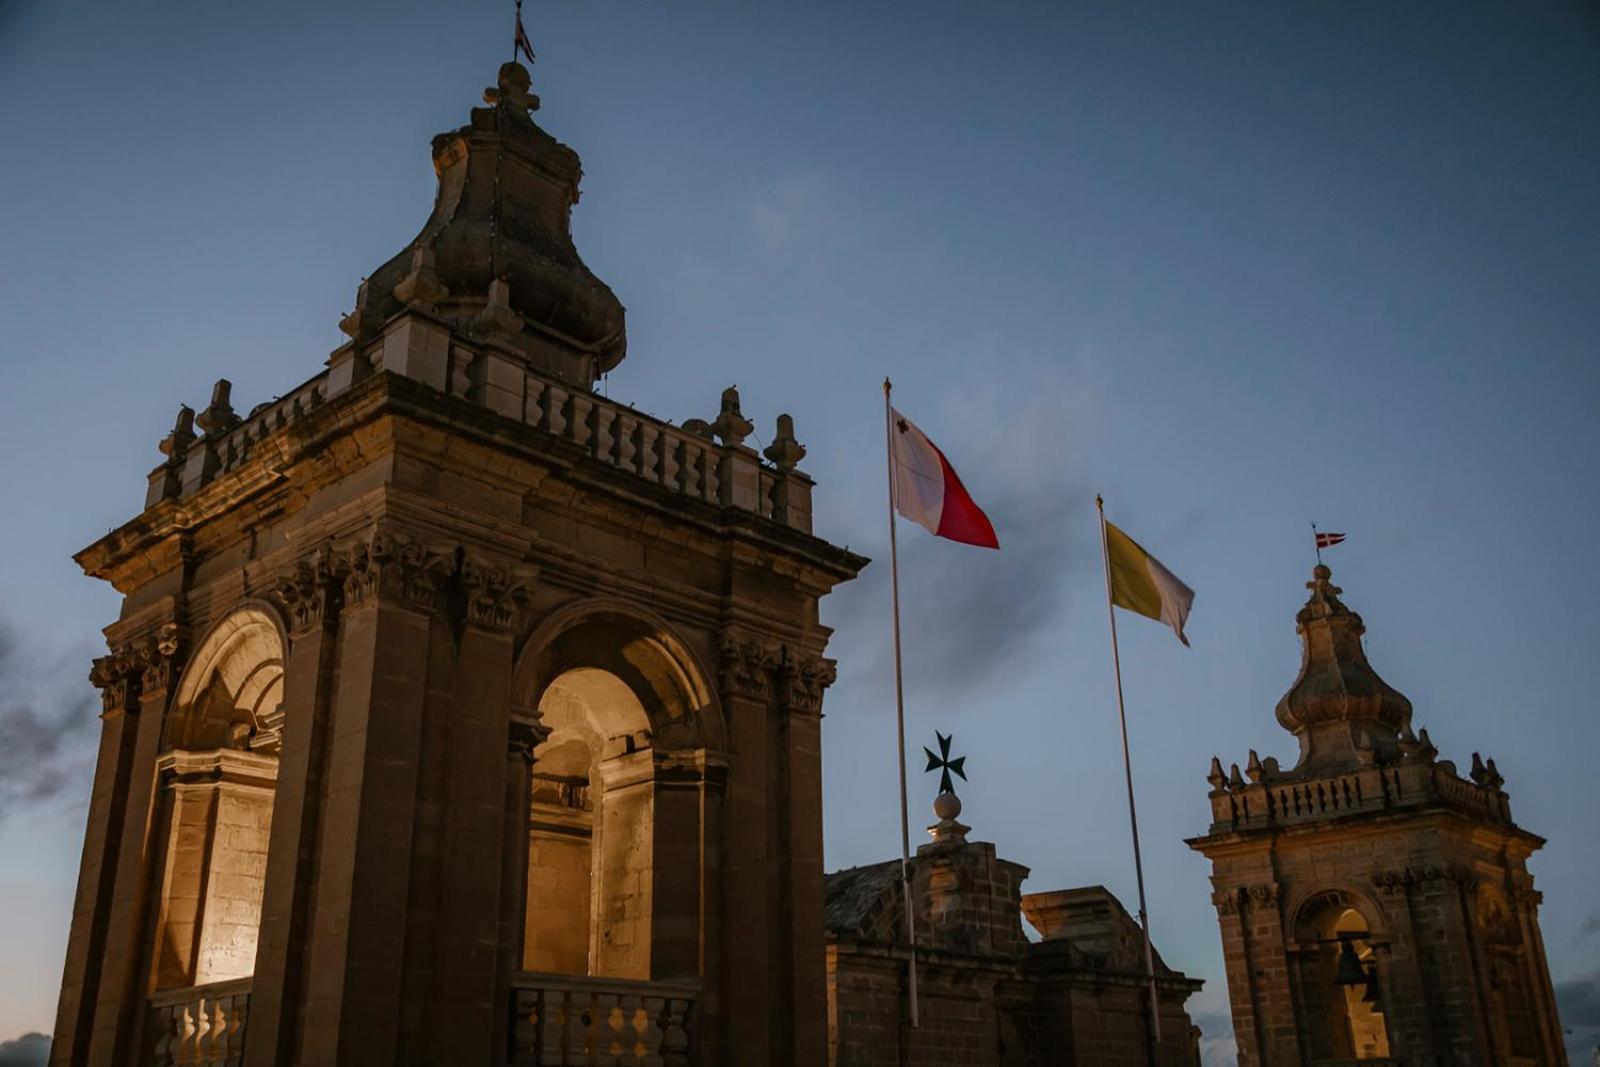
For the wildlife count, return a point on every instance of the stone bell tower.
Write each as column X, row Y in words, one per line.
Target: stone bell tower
column 456, row 713
column 1374, row 904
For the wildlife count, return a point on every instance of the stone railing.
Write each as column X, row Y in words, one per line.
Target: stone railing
column 1282, row 800
column 568, row 1021
column 201, row 1024
column 691, row 464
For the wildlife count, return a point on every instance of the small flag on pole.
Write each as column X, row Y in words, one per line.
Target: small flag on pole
column 522, row 46
column 1140, row 584
column 1328, row 540
column 928, row 492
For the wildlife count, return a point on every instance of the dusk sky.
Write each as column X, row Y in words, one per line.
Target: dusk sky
column 1237, row 267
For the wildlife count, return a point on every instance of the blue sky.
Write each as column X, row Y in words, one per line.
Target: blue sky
column 1237, row 267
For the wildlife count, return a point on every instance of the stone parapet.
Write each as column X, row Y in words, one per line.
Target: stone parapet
column 1237, row 805
column 686, row 460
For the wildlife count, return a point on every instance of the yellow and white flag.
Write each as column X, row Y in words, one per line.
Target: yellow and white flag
column 1143, row 586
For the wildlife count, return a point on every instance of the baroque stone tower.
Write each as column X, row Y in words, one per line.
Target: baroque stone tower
column 1374, row 904
column 455, row 713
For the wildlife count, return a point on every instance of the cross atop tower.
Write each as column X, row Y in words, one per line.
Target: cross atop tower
column 944, row 764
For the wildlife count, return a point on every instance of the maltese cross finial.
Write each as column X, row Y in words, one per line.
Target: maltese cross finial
column 944, row 764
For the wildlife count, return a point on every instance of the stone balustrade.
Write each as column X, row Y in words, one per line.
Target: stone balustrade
column 199, row 1025
column 567, row 1021
column 680, row 460
column 1285, row 800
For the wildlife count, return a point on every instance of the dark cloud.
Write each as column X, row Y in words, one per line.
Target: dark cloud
column 967, row 613
column 47, row 718
column 1591, row 925
column 1578, row 1000
column 29, row 1050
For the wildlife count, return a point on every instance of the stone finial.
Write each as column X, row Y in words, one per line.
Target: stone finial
column 1338, row 696
column 421, row 288
column 351, row 324
column 1429, row 749
column 1215, row 776
column 1235, row 779
column 731, row 425
column 176, row 443
column 1479, row 773
column 1252, row 766
column 1495, row 779
column 511, row 90
column 219, row 416
column 498, row 319
column 785, row 452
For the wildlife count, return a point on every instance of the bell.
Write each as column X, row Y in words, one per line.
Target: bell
column 1371, row 994
column 1350, row 971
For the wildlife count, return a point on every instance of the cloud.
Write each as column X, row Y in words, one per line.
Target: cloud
column 1591, row 925
column 972, row 614
column 1210, row 1011
column 29, row 1050
column 47, row 717
column 1578, row 1001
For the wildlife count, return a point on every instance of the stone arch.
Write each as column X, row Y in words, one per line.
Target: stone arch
column 1335, row 927
column 231, row 692
column 218, row 772
column 644, row 651
column 628, row 707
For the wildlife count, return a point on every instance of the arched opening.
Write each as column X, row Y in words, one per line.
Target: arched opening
column 629, row 773
column 1342, row 987
column 217, row 769
column 591, row 831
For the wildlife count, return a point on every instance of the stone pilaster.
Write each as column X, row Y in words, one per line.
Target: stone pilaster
column 357, row 950
column 463, row 1005
column 117, row 681
column 748, row 672
column 309, row 594
column 523, row 735
column 123, row 984
column 802, row 679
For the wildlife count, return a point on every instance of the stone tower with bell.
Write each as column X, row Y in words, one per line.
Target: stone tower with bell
column 454, row 712
column 1375, row 904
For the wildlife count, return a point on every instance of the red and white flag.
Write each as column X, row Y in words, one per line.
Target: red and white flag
column 1328, row 540
column 928, row 492
column 523, row 45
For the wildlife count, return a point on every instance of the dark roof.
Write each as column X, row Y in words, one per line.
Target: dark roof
column 857, row 898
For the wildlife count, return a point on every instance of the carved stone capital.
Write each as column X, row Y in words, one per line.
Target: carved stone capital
column 526, row 734
column 1227, row 901
column 308, row 591
column 117, row 677
column 1266, row 893
column 749, row 665
column 392, row 567
column 803, row 679
column 1526, row 897
column 497, row 595
column 1393, row 883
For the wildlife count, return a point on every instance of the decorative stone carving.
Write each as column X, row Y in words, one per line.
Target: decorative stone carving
column 159, row 656
column 219, row 416
column 1227, row 901
column 785, row 452
column 1267, row 893
column 496, row 595
column 730, row 424
column 748, row 666
column 421, row 288
column 176, row 444
column 308, row 592
column 390, row 566
column 802, row 681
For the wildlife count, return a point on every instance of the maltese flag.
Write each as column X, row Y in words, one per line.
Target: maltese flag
column 928, row 492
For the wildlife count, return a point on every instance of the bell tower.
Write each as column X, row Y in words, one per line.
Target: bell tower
column 456, row 713
column 1374, row 903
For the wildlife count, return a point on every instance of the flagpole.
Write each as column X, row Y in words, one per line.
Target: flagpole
column 514, row 33
column 1127, row 769
column 1316, row 541
column 900, row 709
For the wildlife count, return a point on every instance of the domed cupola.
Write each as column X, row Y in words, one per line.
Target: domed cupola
column 495, row 259
column 1342, row 712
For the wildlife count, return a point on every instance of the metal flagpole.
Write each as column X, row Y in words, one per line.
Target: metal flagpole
column 518, row 26
column 1127, row 768
column 1317, row 541
column 900, row 709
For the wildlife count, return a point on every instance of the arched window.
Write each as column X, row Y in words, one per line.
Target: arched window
column 1341, row 984
column 218, row 768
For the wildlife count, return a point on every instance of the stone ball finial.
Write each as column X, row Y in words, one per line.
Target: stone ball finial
column 947, row 806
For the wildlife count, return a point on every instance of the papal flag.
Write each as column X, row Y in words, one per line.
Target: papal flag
column 1143, row 586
